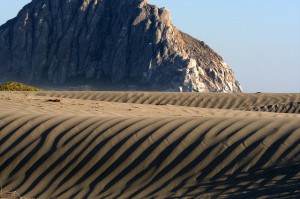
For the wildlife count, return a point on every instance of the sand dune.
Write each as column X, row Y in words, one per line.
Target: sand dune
column 33, row 103
column 203, row 100
column 88, row 148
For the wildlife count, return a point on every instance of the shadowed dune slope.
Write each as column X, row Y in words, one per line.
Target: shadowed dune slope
column 289, row 103
column 50, row 155
column 292, row 107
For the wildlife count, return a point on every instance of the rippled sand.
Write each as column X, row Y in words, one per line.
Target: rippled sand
column 149, row 145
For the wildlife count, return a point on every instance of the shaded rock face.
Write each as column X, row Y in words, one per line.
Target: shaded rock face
column 116, row 41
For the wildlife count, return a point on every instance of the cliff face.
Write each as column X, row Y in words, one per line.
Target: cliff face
column 116, row 41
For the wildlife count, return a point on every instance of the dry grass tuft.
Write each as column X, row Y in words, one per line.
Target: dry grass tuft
column 10, row 195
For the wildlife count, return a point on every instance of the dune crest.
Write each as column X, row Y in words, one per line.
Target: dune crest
column 263, row 101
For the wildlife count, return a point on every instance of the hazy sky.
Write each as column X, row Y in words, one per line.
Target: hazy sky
column 259, row 39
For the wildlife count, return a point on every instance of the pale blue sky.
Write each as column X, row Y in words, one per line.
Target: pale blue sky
column 259, row 39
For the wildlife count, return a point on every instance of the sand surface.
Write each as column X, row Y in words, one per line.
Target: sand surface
column 150, row 145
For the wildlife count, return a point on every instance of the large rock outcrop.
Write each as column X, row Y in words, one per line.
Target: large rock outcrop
column 113, row 41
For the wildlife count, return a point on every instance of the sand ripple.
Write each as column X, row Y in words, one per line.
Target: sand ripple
column 88, row 148
column 202, row 100
column 57, row 156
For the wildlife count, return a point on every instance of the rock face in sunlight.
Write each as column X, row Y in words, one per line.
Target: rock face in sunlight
column 118, row 42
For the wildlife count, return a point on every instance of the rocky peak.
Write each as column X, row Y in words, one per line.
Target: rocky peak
column 116, row 42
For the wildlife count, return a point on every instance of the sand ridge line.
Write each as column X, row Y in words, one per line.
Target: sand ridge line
column 27, row 103
column 203, row 100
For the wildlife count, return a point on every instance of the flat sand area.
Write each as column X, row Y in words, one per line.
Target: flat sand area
column 150, row 145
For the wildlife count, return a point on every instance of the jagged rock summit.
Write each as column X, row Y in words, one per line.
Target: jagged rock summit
column 114, row 41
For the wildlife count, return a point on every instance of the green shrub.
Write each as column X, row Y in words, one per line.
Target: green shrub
column 16, row 86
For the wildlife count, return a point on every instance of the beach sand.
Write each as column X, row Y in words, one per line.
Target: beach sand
column 150, row 145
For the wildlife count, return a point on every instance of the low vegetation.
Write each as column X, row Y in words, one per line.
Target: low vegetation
column 16, row 86
column 10, row 195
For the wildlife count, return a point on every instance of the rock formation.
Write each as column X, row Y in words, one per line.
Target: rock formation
column 113, row 41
